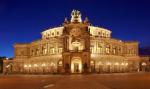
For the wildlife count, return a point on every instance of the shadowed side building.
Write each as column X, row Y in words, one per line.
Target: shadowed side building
column 75, row 47
column 145, row 63
column 1, row 66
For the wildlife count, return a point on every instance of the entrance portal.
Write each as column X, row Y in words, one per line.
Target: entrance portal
column 76, row 65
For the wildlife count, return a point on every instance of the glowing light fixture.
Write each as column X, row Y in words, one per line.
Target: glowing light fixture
column 7, row 66
column 76, row 43
column 143, row 64
column 100, row 63
column 43, row 64
column 126, row 64
column 30, row 66
column 108, row 63
column 35, row 65
column 52, row 64
column 25, row 66
column 122, row 64
column 116, row 63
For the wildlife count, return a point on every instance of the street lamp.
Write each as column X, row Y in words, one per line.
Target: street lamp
column 122, row 64
column 122, row 67
column 116, row 67
column 116, row 63
column 126, row 67
column 108, row 64
column 126, row 64
column 25, row 66
column 100, row 64
column 43, row 65
column 29, row 67
column 144, row 66
column 35, row 65
column 7, row 58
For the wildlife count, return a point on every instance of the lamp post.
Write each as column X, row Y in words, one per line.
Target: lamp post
column 7, row 58
column 109, row 64
column 116, row 67
column 35, row 65
column 126, row 65
column 122, row 66
column 25, row 66
column 43, row 66
column 144, row 66
column 100, row 64
column 29, row 68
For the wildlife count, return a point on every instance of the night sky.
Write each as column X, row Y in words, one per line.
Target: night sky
column 24, row 20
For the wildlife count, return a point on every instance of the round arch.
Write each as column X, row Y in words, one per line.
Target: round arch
column 76, row 65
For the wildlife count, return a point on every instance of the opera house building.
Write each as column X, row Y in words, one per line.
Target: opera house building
column 75, row 47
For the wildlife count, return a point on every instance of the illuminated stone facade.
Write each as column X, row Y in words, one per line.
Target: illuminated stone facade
column 75, row 47
column 145, row 63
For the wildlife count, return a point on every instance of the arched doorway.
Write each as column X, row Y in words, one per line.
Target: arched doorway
column 76, row 65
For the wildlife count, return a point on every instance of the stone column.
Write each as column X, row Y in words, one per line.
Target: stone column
column 41, row 49
column 111, row 49
column 104, row 48
column 46, row 48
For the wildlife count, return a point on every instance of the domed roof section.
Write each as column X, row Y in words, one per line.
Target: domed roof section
column 99, row 31
column 76, row 20
column 52, row 32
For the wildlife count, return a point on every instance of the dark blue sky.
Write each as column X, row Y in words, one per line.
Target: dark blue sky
column 24, row 20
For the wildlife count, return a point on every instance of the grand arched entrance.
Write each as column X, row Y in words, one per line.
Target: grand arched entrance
column 76, row 65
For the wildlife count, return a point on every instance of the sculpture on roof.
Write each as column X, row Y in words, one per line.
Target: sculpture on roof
column 76, row 16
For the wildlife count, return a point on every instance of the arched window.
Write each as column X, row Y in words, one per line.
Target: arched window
column 99, row 33
column 37, row 51
column 60, row 50
column 119, row 49
column 32, row 52
column 107, row 49
column 52, row 50
column 52, row 64
column 44, row 50
column 114, row 50
column 103, row 34
column 52, row 34
column 92, row 48
column 92, row 62
column 60, row 63
column 57, row 33
column 99, row 49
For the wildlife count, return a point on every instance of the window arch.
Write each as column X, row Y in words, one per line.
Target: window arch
column 107, row 49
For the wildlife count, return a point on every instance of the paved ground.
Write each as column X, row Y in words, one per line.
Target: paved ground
column 94, row 81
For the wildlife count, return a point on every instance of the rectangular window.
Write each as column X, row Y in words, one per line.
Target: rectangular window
column 60, row 50
column 107, row 50
column 52, row 51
